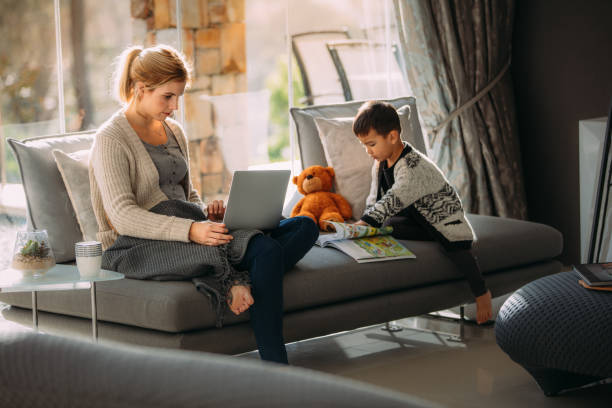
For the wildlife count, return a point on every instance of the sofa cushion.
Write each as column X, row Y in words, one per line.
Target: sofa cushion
column 324, row 276
column 49, row 206
column 311, row 150
column 74, row 168
column 351, row 163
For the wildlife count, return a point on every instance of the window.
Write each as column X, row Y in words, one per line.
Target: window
column 28, row 75
column 93, row 33
column 247, row 75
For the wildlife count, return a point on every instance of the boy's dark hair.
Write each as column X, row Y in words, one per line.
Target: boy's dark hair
column 377, row 115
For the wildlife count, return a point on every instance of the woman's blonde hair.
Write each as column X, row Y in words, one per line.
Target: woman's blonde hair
column 154, row 66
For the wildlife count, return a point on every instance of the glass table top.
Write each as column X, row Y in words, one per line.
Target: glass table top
column 60, row 277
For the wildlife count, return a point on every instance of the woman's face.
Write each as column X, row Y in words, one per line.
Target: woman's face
column 160, row 102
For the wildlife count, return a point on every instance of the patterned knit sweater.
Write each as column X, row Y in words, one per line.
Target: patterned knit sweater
column 125, row 185
column 420, row 183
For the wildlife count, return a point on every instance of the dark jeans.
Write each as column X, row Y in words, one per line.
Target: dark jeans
column 414, row 227
column 267, row 258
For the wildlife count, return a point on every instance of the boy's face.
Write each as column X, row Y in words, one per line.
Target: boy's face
column 379, row 147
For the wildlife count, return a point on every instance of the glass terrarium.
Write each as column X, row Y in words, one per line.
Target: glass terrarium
column 32, row 254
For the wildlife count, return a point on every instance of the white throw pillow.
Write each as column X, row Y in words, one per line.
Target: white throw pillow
column 353, row 166
column 311, row 149
column 74, row 168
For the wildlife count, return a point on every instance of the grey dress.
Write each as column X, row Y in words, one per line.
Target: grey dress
column 171, row 166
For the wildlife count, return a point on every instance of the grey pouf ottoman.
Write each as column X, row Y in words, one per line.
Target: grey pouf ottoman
column 560, row 332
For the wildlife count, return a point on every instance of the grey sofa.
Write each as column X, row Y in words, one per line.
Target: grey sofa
column 326, row 291
column 40, row 370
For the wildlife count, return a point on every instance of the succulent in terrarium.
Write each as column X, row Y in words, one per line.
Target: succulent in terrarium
column 32, row 253
column 34, row 249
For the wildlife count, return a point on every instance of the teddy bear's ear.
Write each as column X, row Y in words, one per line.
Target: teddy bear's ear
column 295, row 180
column 331, row 171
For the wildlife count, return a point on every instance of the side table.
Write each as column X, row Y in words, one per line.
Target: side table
column 60, row 277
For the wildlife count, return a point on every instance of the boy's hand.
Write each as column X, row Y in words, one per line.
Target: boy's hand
column 216, row 210
column 361, row 222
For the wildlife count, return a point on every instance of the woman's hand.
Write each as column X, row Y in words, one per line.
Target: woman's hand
column 360, row 222
column 209, row 233
column 216, row 210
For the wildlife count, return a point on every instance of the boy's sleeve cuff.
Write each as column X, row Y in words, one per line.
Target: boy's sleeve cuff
column 370, row 221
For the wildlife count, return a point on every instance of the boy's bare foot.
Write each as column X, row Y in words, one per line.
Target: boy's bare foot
column 240, row 299
column 484, row 310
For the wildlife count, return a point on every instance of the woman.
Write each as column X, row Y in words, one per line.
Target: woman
column 152, row 223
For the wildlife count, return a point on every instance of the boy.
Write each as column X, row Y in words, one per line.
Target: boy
column 410, row 193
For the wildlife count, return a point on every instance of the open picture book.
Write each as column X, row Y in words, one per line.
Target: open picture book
column 364, row 243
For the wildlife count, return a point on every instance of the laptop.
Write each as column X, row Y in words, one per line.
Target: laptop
column 256, row 199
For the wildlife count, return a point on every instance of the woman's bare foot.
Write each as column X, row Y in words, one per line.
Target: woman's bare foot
column 483, row 308
column 240, row 299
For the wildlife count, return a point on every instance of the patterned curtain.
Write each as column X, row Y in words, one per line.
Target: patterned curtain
column 457, row 55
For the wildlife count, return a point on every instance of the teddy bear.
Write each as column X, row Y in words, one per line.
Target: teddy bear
column 319, row 203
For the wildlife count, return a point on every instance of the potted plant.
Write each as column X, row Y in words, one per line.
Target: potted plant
column 32, row 254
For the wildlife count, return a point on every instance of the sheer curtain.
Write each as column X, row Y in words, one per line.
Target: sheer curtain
column 457, row 56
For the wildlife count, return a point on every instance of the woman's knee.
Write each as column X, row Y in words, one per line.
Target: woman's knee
column 307, row 227
column 265, row 246
column 267, row 256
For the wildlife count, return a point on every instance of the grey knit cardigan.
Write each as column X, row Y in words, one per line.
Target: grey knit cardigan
column 125, row 185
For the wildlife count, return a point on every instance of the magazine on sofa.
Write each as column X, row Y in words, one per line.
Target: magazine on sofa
column 599, row 274
column 364, row 243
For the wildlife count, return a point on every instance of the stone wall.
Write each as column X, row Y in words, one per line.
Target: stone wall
column 214, row 43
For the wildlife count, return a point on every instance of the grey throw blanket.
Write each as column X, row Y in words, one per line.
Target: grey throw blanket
column 209, row 267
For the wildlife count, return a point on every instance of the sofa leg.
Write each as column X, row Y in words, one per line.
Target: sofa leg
column 392, row 327
column 461, row 336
